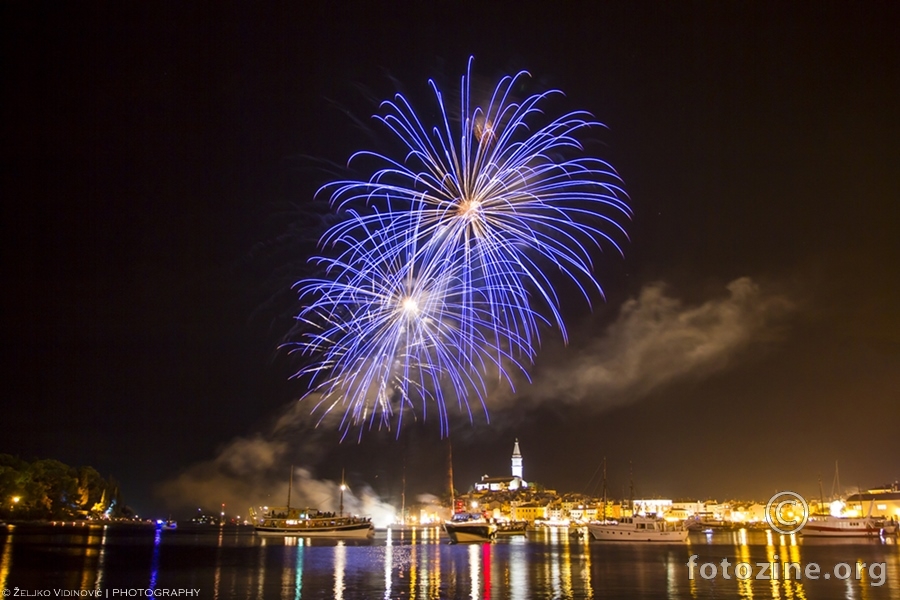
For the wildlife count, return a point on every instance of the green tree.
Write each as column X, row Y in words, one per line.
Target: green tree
column 50, row 489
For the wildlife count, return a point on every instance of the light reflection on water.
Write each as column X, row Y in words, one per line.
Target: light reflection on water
column 6, row 560
column 556, row 563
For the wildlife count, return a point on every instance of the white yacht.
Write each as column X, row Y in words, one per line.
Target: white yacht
column 832, row 526
column 638, row 529
column 466, row 527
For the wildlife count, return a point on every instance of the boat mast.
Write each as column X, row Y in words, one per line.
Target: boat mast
column 403, row 495
column 631, row 487
column 341, row 509
column 290, row 485
column 836, row 481
column 450, row 473
column 821, row 497
column 604, row 490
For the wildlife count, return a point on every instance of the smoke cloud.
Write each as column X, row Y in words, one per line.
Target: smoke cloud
column 656, row 340
column 254, row 471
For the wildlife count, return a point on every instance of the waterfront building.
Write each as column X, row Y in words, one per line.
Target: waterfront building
column 555, row 512
column 586, row 512
column 654, row 506
column 882, row 501
column 715, row 511
column 688, row 508
column 530, row 512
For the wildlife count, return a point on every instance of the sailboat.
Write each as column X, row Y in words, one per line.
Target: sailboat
column 844, row 526
column 310, row 522
column 837, row 525
column 832, row 526
column 464, row 526
column 635, row 528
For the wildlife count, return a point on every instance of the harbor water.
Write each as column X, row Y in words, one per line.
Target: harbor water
column 118, row 561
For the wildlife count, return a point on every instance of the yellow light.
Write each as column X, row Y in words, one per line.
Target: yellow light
column 469, row 208
column 16, row 499
column 410, row 305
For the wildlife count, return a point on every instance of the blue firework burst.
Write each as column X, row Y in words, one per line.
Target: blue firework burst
column 448, row 254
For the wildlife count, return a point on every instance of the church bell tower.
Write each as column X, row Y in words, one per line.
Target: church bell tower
column 517, row 461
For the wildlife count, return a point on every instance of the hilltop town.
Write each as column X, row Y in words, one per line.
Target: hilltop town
column 513, row 498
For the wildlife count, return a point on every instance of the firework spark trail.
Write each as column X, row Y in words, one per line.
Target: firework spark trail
column 439, row 275
column 493, row 199
column 394, row 329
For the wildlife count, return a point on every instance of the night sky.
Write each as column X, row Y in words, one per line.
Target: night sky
column 159, row 168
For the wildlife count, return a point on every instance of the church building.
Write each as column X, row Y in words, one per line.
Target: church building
column 506, row 484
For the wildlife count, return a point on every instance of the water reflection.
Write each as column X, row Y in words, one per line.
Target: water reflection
column 233, row 562
column 340, row 563
column 6, row 558
column 261, row 568
column 388, row 566
column 474, row 570
column 95, row 559
column 217, row 578
column 518, row 569
column 745, row 584
column 154, row 563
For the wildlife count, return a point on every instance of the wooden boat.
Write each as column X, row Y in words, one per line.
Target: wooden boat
column 309, row 522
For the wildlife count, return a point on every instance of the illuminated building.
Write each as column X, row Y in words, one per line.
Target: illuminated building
column 505, row 484
column 882, row 501
column 530, row 512
column 688, row 508
column 656, row 506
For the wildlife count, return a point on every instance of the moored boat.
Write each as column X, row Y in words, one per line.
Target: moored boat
column 309, row 522
column 466, row 527
column 832, row 526
column 511, row 527
column 638, row 529
column 709, row 525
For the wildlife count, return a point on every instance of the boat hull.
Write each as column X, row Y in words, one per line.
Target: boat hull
column 461, row 533
column 617, row 533
column 817, row 530
column 830, row 526
column 512, row 528
column 358, row 530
